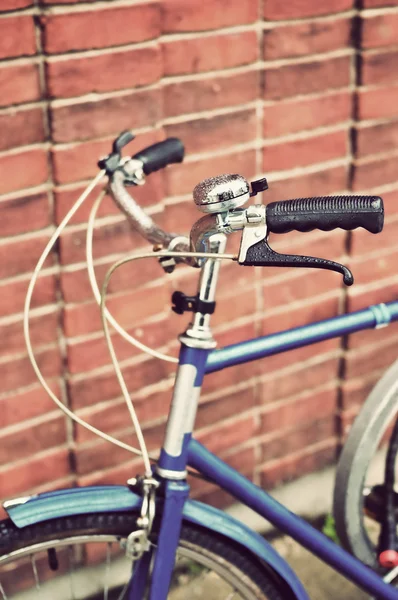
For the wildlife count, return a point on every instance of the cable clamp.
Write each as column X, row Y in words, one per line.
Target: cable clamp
column 381, row 314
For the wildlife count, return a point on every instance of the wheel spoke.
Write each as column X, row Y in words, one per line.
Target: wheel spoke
column 35, row 573
column 123, row 592
column 391, row 575
column 70, row 558
column 2, row 592
column 107, row 570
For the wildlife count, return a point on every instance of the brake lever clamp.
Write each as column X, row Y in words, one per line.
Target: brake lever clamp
column 255, row 250
column 132, row 169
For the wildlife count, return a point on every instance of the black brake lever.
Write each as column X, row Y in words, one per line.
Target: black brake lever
column 261, row 255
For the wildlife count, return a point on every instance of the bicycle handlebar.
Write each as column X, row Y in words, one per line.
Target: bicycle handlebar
column 302, row 214
column 326, row 213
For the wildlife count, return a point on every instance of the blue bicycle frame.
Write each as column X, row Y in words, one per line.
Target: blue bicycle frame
column 176, row 508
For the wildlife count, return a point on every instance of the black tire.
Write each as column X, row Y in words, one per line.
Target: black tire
column 232, row 564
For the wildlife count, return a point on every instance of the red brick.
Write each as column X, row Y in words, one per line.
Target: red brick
column 18, row 372
column 321, row 183
column 390, row 200
column 386, row 291
column 302, row 284
column 111, row 238
column 363, row 244
column 183, row 178
column 21, row 128
column 294, row 440
column 185, row 214
column 275, row 10
column 12, row 294
column 299, row 153
column 24, row 213
column 38, row 470
column 113, row 476
column 229, row 434
column 208, row 94
column 376, row 138
column 66, row 198
column 32, row 439
column 63, row 1
column 14, row 4
column 116, row 70
column 373, row 336
column 214, row 133
column 150, row 194
column 293, row 115
column 306, row 38
column 378, row 103
column 78, row 161
column 105, row 116
column 27, row 404
column 238, row 303
column 128, row 310
column 228, row 406
column 104, row 386
column 279, row 362
column 21, row 256
column 375, row 173
column 19, row 83
column 100, row 28
column 376, row 3
column 380, row 67
column 363, row 361
column 295, row 465
column 93, row 353
column 200, row 15
column 102, row 455
column 43, row 330
column 76, row 287
column 23, row 169
column 324, row 308
column 244, row 279
column 307, row 77
column 221, row 51
column 236, row 334
column 371, row 269
column 114, row 416
column 355, row 391
column 230, row 377
column 379, row 30
column 17, row 36
column 302, row 376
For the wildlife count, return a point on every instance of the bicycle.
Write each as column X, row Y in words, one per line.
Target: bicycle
column 152, row 518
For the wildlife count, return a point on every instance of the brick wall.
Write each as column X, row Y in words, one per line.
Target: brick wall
column 305, row 92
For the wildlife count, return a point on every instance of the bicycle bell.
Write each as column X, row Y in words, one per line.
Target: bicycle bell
column 221, row 193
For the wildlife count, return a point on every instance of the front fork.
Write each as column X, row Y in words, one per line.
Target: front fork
column 157, row 564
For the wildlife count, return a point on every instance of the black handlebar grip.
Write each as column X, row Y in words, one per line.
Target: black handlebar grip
column 326, row 213
column 160, row 155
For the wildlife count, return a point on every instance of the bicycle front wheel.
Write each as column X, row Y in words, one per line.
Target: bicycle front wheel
column 82, row 557
column 361, row 467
